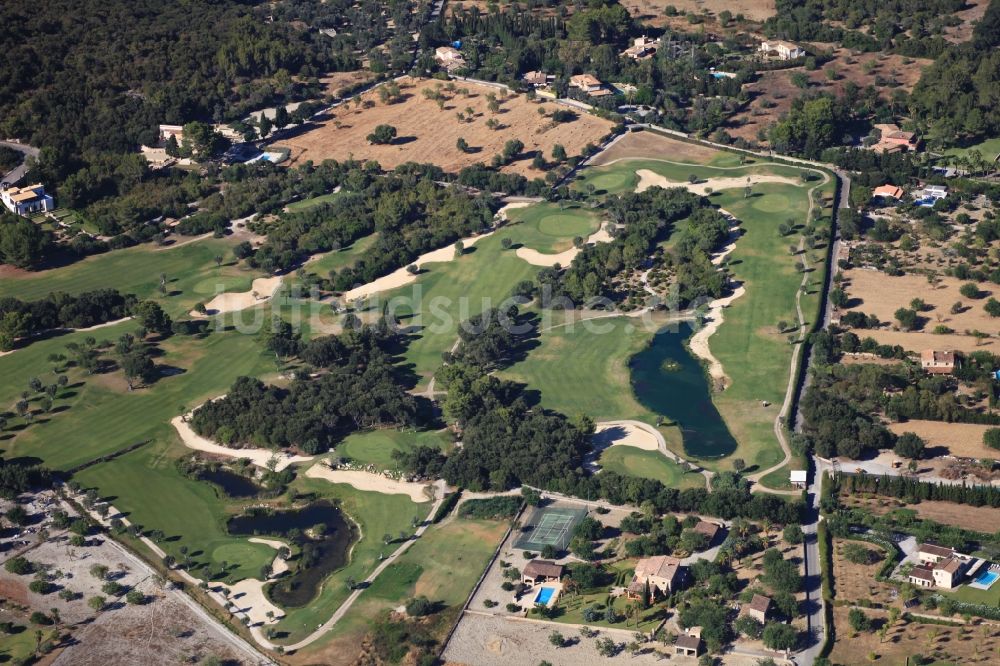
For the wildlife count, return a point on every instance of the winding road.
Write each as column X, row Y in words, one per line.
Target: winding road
column 14, row 176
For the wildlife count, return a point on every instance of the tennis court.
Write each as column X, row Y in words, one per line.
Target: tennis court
column 551, row 526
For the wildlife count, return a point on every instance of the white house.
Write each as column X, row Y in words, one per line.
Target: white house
column 642, row 48
column 798, row 478
column 783, row 50
column 26, row 200
column 449, row 57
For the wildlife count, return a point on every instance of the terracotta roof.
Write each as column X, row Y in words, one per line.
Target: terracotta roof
column 584, row 80
column 922, row 573
column 707, row 528
column 930, row 356
column 536, row 77
column 542, row 568
column 760, row 603
column 951, row 565
column 934, row 549
column 661, row 566
column 889, row 191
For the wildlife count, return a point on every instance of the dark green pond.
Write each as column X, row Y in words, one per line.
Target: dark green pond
column 668, row 380
column 319, row 556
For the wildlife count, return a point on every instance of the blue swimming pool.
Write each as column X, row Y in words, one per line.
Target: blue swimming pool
column 986, row 578
column 544, row 595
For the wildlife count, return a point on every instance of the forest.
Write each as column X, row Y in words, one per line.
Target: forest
column 20, row 319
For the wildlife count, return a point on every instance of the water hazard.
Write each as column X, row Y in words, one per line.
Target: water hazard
column 668, row 380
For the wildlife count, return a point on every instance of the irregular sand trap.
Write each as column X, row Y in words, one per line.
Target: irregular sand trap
column 615, row 433
column 278, row 566
column 249, row 599
column 232, row 301
column 648, row 179
column 403, row 277
column 258, row 457
column 565, row 258
column 369, row 481
column 699, row 341
column 502, row 213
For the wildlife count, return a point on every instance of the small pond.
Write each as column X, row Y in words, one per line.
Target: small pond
column 320, row 556
column 232, row 484
column 668, row 380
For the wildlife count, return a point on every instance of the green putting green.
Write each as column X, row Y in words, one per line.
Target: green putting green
column 562, row 224
column 614, row 180
column 771, row 203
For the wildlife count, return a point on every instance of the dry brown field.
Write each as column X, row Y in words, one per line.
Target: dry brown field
column 427, row 133
column 975, row 518
column 650, row 145
column 963, row 33
column 649, row 10
column 777, row 86
column 336, row 82
column 960, row 439
column 942, row 643
column 852, row 582
column 877, row 293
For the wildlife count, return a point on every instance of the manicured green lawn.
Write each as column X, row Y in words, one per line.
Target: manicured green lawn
column 989, row 148
column 192, row 275
column 18, row 648
column 443, row 565
column 306, row 204
column 547, row 228
column 340, row 259
column 376, row 514
column 583, row 369
column 971, row 595
column 631, row 461
column 376, row 447
column 451, row 292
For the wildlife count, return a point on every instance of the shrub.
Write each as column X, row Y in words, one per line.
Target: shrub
column 420, row 606
column 19, row 565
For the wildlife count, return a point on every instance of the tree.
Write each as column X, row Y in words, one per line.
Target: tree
column 992, row 307
column 558, row 153
column 858, row 620
column 910, row 445
column 151, row 316
column 97, row 603
column 281, row 118
column 382, row 134
column 264, row 126
column 135, row 597
column 739, row 465
column 778, row 636
column 462, row 145
column 907, row 318
column 22, row 243
column 557, row 639
column 991, row 438
column 793, row 534
column 970, row 290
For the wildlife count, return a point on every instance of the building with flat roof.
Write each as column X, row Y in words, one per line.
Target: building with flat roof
column 799, row 478
column 26, row 200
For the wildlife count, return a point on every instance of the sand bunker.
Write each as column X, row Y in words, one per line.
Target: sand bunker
column 624, row 433
column 565, row 258
column 261, row 290
column 402, row 276
column 279, row 565
column 648, row 179
column 502, row 213
column 258, row 457
column 368, row 481
column 248, row 599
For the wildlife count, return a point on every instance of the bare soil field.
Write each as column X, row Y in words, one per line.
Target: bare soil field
column 976, row 518
column 426, row 133
column 960, row 439
column 916, row 342
column 940, row 643
column 853, row 582
column 650, row 145
column 963, row 33
column 777, row 87
column 337, row 82
column 874, row 292
column 649, row 10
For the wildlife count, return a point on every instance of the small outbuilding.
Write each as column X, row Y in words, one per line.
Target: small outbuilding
column 799, row 478
column 541, row 571
column 689, row 643
column 758, row 608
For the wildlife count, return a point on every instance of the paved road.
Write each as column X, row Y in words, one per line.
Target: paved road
column 15, row 175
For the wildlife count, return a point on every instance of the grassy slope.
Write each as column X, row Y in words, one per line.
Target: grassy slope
column 753, row 354
column 377, row 514
column 336, row 261
column 546, row 228
column 644, row 464
column 376, row 447
column 190, row 269
column 443, row 566
column 306, row 204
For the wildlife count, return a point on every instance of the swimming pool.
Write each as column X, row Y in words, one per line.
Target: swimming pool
column 986, row 578
column 544, row 595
